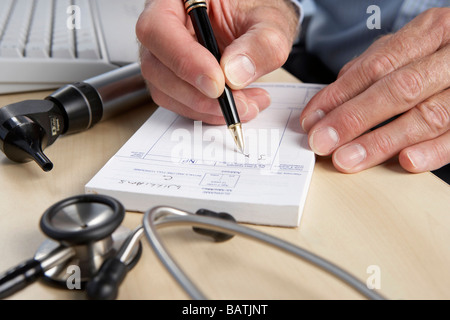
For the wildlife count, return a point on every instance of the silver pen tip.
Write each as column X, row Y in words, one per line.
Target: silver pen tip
column 236, row 131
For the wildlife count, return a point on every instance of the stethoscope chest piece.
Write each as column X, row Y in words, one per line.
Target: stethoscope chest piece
column 90, row 225
column 87, row 259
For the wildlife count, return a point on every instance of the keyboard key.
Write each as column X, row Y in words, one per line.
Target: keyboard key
column 11, row 50
column 37, row 49
column 88, row 51
column 15, row 34
column 86, row 38
column 40, row 33
column 63, row 37
column 62, row 51
column 5, row 8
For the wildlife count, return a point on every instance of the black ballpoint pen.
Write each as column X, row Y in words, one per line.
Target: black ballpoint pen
column 196, row 9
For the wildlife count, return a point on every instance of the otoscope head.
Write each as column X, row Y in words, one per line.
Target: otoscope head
column 24, row 143
column 27, row 128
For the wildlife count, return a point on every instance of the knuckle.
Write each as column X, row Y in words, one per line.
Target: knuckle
column 146, row 69
column 150, row 68
column 439, row 14
column 405, row 86
column 437, row 23
column 139, row 28
column 181, row 66
column 376, row 66
column 441, row 152
column 435, row 115
column 143, row 28
column 443, row 20
column 278, row 45
column 334, row 96
column 200, row 103
column 352, row 122
column 415, row 130
column 157, row 96
column 382, row 143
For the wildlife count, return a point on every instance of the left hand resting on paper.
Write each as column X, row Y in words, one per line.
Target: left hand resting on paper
column 406, row 74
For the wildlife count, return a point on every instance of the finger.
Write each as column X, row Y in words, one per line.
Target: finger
column 249, row 102
column 263, row 46
column 424, row 126
column 161, row 28
column 394, row 94
column 171, row 104
column 259, row 96
column 376, row 45
column 427, row 156
column 187, row 101
column 418, row 39
column 166, row 82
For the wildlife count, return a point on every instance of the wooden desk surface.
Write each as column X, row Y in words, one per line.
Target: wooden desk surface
column 381, row 220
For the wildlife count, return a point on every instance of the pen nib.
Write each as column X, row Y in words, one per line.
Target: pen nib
column 236, row 131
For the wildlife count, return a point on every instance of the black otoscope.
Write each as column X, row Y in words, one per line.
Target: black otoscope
column 28, row 127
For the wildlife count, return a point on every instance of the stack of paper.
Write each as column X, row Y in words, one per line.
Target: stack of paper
column 174, row 161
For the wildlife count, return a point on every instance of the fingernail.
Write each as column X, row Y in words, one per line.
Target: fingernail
column 262, row 100
column 323, row 140
column 240, row 70
column 312, row 119
column 241, row 106
column 350, row 156
column 208, row 86
column 417, row 159
column 252, row 112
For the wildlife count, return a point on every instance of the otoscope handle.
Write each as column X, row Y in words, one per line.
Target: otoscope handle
column 87, row 102
column 105, row 285
column 19, row 277
column 120, row 89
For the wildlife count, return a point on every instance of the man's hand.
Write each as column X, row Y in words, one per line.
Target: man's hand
column 255, row 38
column 406, row 74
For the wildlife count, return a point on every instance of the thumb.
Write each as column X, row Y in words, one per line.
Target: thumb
column 265, row 47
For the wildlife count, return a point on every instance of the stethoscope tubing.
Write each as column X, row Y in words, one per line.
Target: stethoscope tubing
column 166, row 216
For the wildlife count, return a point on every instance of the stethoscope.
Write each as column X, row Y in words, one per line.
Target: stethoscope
column 85, row 231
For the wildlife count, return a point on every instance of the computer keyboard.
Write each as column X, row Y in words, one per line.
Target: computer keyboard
column 45, row 44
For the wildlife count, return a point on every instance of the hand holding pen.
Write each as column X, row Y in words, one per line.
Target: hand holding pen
column 185, row 77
